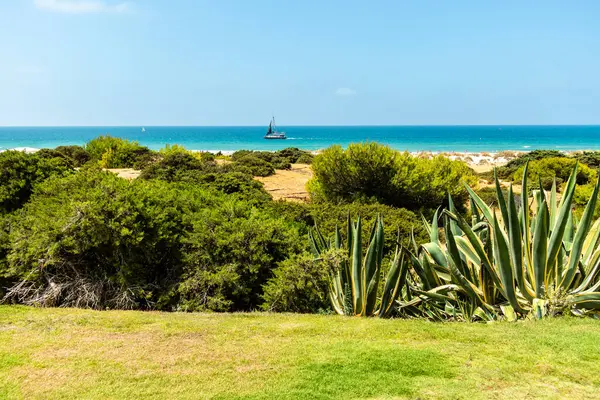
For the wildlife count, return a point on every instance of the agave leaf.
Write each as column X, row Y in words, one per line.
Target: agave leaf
column 591, row 274
column 524, row 217
column 395, row 279
column 453, row 227
column 540, row 307
column 508, row 312
column 317, row 242
column 436, row 253
column 476, row 218
column 590, row 243
column 485, row 210
column 506, row 269
column 426, row 225
column 585, row 301
column 453, row 251
column 569, row 234
column 356, row 275
column 483, row 315
column 338, row 308
column 434, row 234
column 467, row 250
column 438, row 293
column 558, row 228
column 338, row 238
column 516, row 245
column 501, row 202
column 540, row 250
column 477, row 246
column 373, row 267
column 425, row 271
column 582, row 231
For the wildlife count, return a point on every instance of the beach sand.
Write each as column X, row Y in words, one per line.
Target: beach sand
column 288, row 184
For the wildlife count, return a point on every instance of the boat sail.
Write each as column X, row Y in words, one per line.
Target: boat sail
column 272, row 132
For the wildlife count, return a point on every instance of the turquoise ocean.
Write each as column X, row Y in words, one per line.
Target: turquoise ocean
column 411, row 138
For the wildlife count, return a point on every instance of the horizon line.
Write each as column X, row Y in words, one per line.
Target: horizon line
column 294, row 125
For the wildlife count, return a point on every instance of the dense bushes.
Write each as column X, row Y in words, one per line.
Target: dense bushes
column 113, row 152
column 233, row 250
column 20, row 172
column 361, row 172
column 94, row 240
column 77, row 154
column 590, row 158
column 300, row 285
column 204, row 172
column 373, row 172
column 191, row 233
column 264, row 163
column 507, row 171
column 173, row 166
column 257, row 166
column 547, row 169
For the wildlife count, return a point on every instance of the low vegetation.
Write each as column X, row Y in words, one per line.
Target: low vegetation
column 198, row 233
column 70, row 353
column 370, row 172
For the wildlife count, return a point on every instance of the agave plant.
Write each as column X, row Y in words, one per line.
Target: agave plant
column 355, row 280
column 529, row 258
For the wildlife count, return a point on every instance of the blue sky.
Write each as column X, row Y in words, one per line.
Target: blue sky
column 334, row 62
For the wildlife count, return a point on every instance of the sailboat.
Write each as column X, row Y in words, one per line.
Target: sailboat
column 143, row 129
column 272, row 132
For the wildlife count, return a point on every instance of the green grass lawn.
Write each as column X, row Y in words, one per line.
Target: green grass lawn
column 68, row 353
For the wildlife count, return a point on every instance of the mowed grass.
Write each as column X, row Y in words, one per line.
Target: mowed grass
column 68, row 353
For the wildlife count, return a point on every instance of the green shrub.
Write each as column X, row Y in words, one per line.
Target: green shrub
column 581, row 197
column 240, row 154
column 362, row 172
column 6, row 279
column 206, row 156
column 94, row 240
column 256, row 165
column 299, row 285
column 305, row 159
column 173, row 166
column 187, row 167
column 21, row 172
column 173, row 148
column 507, row 171
column 558, row 167
column 589, row 158
column 170, row 150
column 281, row 163
column 77, row 154
column 237, row 184
column 302, row 215
column 425, row 183
column 232, row 252
column 261, row 163
column 113, row 152
column 52, row 153
column 293, row 154
column 370, row 172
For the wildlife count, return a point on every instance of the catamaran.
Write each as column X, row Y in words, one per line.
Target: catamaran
column 272, row 132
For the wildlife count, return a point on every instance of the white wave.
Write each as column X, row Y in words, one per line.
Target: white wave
column 23, row 149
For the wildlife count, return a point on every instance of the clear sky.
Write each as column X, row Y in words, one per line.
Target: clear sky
column 309, row 62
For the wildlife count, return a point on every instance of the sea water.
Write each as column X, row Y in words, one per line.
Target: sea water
column 410, row 138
